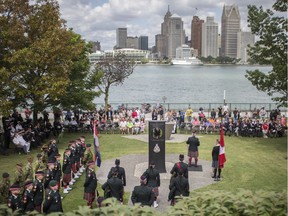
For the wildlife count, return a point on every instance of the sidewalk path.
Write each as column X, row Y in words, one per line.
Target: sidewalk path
column 136, row 164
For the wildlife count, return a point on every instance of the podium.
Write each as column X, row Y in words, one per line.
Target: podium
column 157, row 144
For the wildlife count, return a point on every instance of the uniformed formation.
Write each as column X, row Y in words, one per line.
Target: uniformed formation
column 42, row 193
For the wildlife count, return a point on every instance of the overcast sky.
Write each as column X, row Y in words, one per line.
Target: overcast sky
column 97, row 20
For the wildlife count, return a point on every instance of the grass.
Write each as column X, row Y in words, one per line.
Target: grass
column 252, row 163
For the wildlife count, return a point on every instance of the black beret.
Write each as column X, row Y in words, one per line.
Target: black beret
column 39, row 172
column 28, row 183
column 88, row 145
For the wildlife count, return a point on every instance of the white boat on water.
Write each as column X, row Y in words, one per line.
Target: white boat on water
column 187, row 61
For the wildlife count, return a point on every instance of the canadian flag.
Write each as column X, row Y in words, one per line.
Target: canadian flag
column 222, row 157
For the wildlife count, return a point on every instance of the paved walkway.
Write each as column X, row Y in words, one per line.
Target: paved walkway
column 136, row 164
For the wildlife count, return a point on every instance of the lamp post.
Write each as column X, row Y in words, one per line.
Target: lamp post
column 164, row 98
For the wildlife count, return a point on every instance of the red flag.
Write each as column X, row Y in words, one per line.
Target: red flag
column 222, row 157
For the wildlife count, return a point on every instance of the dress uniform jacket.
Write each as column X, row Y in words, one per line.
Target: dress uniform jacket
column 121, row 174
column 143, row 194
column 153, row 177
column 58, row 171
column 180, row 185
column 50, row 175
column 52, row 151
column 67, row 165
column 14, row 202
column 116, row 187
column 53, row 203
column 180, row 166
column 4, row 191
column 38, row 192
column 90, row 181
column 28, row 201
column 193, row 143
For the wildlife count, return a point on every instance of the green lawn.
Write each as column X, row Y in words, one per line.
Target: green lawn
column 252, row 163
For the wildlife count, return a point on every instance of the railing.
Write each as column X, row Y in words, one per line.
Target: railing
column 207, row 107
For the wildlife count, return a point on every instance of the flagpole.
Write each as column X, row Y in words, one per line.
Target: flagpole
column 224, row 96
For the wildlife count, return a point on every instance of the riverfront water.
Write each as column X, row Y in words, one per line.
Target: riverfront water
column 186, row 84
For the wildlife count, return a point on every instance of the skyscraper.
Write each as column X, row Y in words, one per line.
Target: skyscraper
column 143, row 42
column 132, row 42
column 243, row 40
column 230, row 26
column 121, row 38
column 210, row 38
column 172, row 36
column 196, row 34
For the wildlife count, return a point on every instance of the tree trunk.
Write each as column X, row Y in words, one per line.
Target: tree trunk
column 35, row 115
column 106, row 98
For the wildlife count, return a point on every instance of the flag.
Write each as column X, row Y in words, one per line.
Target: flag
column 98, row 159
column 97, row 156
column 222, row 158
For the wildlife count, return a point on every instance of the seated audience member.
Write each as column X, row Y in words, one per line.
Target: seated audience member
column 74, row 124
column 265, row 128
column 19, row 141
column 123, row 126
column 137, row 127
column 130, row 126
column 142, row 125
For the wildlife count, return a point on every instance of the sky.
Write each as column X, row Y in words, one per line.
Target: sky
column 97, row 20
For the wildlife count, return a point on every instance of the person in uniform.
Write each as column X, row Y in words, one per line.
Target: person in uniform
column 78, row 149
column 28, row 170
column 4, row 188
column 143, row 194
column 153, row 181
column 179, row 166
column 90, row 184
column 83, row 149
column 88, row 156
column 19, row 176
column 14, row 200
column 73, row 158
column 67, row 172
column 28, row 197
column 53, row 201
column 52, row 149
column 49, row 175
column 44, row 154
column 38, row 190
column 215, row 161
column 58, row 170
column 115, row 187
column 193, row 143
column 179, row 186
column 39, row 165
column 120, row 170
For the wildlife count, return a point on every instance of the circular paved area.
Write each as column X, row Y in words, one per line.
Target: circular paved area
column 136, row 164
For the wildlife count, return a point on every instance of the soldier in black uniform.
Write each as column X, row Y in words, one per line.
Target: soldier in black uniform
column 143, row 194
column 53, row 201
column 179, row 166
column 153, row 181
column 115, row 187
column 193, row 143
column 67, row 172
column 73, row 160
column 28, row 197
column 83, row 149
column 58, row 170
column 179, row 186
column 14, row 200
column 215, row 161
column 78, row 149
column 120, row 170
column 38, row 190
column 50, row 175
column 52, row 149
column 90, row 184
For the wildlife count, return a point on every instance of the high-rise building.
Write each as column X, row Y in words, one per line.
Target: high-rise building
column 172, row 36
column 210, row 38
column 96, row 46
column 196, row 34
column 230, row 26
column 243, row 40
column 132, row 42
column 121, row 38
column 143, row 42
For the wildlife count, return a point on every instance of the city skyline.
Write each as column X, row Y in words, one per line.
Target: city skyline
column 98, row 20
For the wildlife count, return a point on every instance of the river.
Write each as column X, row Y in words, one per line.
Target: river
column 188, row 84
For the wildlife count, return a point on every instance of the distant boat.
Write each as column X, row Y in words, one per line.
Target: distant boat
column 187, row 61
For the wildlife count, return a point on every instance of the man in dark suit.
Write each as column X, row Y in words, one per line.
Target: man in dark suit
column 193, row 143
column 115, row 187
column 143, row 194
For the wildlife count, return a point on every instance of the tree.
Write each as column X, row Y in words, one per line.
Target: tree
column 113, row 70
column 37, row 51
column 270, row 49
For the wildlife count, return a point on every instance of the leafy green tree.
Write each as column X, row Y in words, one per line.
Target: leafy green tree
column 113, row 70
column 37, row 51
column 270, row 49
